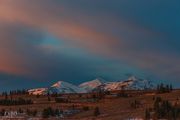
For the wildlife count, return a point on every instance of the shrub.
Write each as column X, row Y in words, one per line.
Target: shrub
column 96, row 111
column 85, row 108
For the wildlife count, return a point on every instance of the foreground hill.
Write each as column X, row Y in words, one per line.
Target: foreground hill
column 121, row 108
column 111, row 106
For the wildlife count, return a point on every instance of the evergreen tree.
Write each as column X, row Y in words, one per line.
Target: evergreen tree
column 6, row 96
column 171, row 88
column 34, row 113
column 50, row 111
column 57, row 112
column 164, row 109
column 167, row 88
column 158, row 88
column 49, row 99
column 164, row 88
column 147, row 114
column 85, row 108
column 37, row 96
column 28, row 112
column 20, row 110
column 96, row 111
column 80, row 95
column 45, row 113
column 2, row 112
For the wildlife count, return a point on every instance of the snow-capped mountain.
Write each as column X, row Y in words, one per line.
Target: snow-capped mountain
column 91, row 85
column 65, row 87
column 133, row 83
column 59, row 87
column 38, row 91
column 140, row 84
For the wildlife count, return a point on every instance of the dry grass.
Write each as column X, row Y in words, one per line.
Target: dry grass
column 111, row 109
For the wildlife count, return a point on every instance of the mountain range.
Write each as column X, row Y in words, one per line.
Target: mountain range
column 132, row 83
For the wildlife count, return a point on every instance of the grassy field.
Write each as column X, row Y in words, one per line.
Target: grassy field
column 110, row 107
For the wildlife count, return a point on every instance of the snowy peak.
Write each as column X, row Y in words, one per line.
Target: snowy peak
column 132, row 83
column 65, row 87
column 61, row 84
column 90, row 85
column 132, row 78
column 140, row 84
column 38, row 91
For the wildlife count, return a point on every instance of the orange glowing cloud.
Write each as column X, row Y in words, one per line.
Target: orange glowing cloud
column 9, row 61
column 86, row 37
column 58, row 21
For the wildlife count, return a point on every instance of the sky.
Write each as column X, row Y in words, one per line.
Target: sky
column 44, row 41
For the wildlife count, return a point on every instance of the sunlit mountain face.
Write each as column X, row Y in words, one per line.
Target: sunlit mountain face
column 44, row 41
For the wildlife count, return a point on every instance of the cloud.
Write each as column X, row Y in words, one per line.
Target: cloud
column 105, row 31
column 55, row 21
column 40, row 17
column 22, row 54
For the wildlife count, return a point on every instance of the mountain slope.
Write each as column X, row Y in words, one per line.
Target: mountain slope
column 140, row 84
column 65, row 87
column 133, row 83
column 38, row 91
column 91, row 85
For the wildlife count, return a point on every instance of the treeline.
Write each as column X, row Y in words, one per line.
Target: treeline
column 135, row 104
column 19, row 101
column 163, row 109
column 2, row 112
column 164, row 88
column 15, row 92
column 31, row 112
column 50, row 112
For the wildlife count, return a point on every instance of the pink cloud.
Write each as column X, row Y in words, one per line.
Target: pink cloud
column 44, row 18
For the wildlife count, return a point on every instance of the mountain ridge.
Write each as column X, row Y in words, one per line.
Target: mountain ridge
column 132, row 83
column 90, row 85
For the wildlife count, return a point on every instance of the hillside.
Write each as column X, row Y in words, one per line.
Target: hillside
column 112, row 106
column 120, row 108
